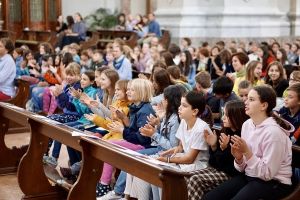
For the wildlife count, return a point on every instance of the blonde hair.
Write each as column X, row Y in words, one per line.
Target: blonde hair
column 73, row 69
column 143, row 89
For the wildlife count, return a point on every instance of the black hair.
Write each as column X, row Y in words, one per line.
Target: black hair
column 197, row 101
column 223, row 85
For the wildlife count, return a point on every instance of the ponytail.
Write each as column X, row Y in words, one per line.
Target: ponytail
column 280, row 121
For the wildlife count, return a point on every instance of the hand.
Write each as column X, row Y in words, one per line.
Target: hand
column 84, row 98
column 116, row 126
column 159, row 110
column 152, row 120
column 147, row 130
column 121, row 115
column 161, row 158
column 75, row 93
column 170, row 152
column 53, row 69
column 211, row 139
column 90, row 117
column 241, row 145
column 57, row 90
column 224, row 141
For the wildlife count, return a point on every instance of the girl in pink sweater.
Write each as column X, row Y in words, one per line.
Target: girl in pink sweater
column 263, row 153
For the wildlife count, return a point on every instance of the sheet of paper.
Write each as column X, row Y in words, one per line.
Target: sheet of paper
column 77, row 133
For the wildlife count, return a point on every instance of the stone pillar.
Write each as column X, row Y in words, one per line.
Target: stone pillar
column 296, row 14
column 204, row 19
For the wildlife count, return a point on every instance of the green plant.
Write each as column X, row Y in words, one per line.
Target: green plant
column 102, row 18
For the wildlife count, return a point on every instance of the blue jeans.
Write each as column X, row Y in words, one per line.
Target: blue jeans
column 56, row 149
column 37, row 98
column 121, row 181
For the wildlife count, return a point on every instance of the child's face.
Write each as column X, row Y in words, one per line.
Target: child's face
column 105, row 83
column 109, row 57
column 85, row 81
column 291, row 100
column 97, row 78
column 274, row 73
column 15, row 54
column 97, row 57
column 243, row 94
column 29, row 56
column 258, row 70
column 226, row 121
column 84, row 57
column 185, row 110
column 119, row 94
column 50, row 61
column 259, row 52
column 278, row 55
column 57, row 60
column 42, row 50
column 236, row 64
column 253, row 105
column 71, row 78
column 292, row 80
column 131, row 94
column 182, row 57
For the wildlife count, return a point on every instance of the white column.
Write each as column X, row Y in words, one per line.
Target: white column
column 227, row 18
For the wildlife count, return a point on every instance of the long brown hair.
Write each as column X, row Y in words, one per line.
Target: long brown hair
column 113, row 76
column 280, row 68
column 250, row 76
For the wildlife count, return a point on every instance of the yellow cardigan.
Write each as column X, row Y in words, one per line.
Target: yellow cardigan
column 121, row 105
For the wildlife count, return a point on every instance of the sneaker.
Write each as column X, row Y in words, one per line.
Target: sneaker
column 102, row 189
column 110, row 195
column 50, row 160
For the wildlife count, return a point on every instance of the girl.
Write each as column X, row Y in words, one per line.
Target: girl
column 263, row 153
column 281, row 56
column 214, row 65
column 120, row 105
column 106, row 80
column 187, row 67
column 163, row 138
column 140, row 94
column 64, row 101
column 190, row 133
column 253, row 73
column 239, row 60
column 221, row 160
column 291, row 110
column 244, row 89
column 275, row 78
column 161, row 80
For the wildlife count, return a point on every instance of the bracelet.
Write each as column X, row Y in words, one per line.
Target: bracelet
column 168, row 159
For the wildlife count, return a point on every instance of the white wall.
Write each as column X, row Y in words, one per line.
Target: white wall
column 138, row 7
column 86, row 7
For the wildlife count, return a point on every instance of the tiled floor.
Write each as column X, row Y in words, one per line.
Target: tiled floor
column 9, row 188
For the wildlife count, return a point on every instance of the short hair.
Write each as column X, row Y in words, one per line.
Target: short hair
column 197, row 101
column 295, row 88
column 143, row 89
column 73, row 68
column 203, row 78
column 243, row 58
column 74, row 46
column 296, row 75
column 188, row 40
column 223, row 85
column 244, row 84
column 204, row 51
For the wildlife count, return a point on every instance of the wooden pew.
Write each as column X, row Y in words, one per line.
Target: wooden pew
column 10, row 34
column 35, row 185
column 10, row 157
column 32, row 38
column 101, row 38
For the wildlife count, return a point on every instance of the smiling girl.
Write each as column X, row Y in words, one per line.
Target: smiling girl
column 263, row 153
column 253, row 73
column 275, row 78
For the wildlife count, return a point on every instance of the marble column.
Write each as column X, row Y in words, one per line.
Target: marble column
column 223, row 19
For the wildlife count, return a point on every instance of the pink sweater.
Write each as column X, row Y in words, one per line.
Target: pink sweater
column 272, row 151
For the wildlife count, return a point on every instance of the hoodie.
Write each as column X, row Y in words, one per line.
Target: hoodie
column 272, row 151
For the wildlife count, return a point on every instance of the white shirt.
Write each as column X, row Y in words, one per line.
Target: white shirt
column 194, row 139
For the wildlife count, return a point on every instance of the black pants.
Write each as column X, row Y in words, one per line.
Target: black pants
column 243, row 187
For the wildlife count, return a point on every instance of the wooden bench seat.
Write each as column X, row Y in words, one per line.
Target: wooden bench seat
column 101, row 38
column 32, row 38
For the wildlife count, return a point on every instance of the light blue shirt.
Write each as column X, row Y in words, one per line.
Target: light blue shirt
column 125, row 71
column 7, row 75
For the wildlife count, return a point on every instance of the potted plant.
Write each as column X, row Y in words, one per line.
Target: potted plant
column 101, row 19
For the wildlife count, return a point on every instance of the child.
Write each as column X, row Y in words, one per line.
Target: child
column 119, row 105
column 85, row 61
column 161, row 80
column 222, row 89
column 18, row 57
column 275, row 78
column 253, row 73
column 187, row 67
column 163, row 137
column 64, row 101
column 139, row 93
column 221, row 160
column 97, row 59
column 243, row 90
column 263, row 153
column 291, row 110
column 74, row 50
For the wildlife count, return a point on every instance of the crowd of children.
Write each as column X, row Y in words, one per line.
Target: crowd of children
column 169, row 110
